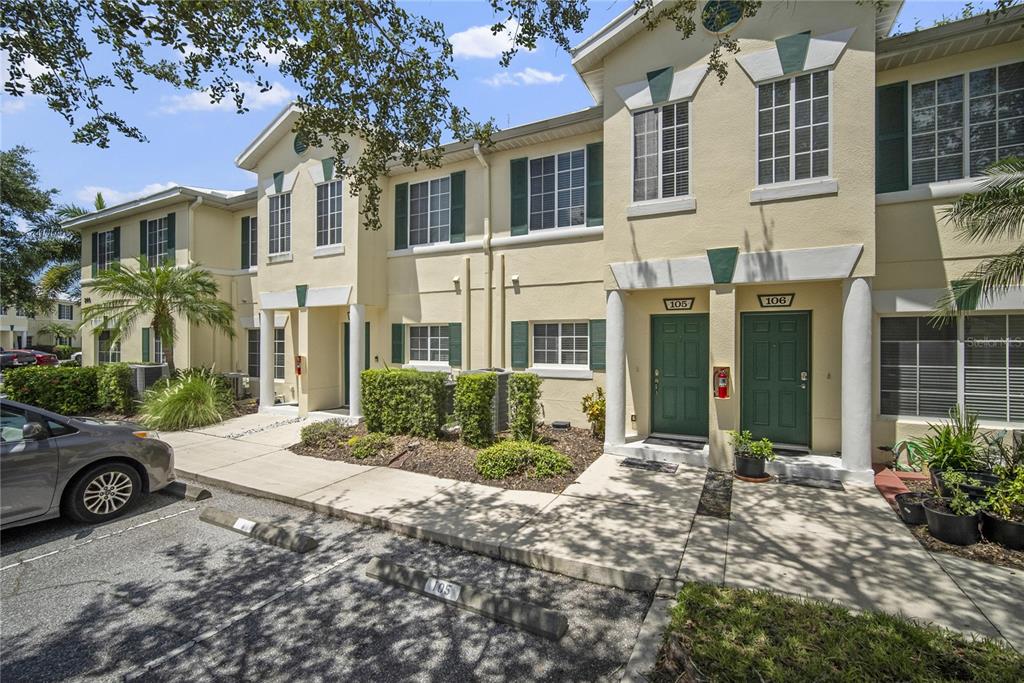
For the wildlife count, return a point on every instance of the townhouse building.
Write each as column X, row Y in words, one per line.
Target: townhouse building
column 758, row 253
column 22, row 330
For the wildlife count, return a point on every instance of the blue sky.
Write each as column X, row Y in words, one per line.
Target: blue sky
column 194, row 143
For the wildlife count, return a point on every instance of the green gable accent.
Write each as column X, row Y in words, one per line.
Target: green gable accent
column 597, row 345
column 891, row 166
column 660, row 83
column 793, row 51
column 401, row 215
column 328, row 165
column 455, row 344
column 457, row 215
column 300, row 294
column 723, row 263
column 299, row 144
column 145, row 344
column 967, row 294
column 278, row 181
column 397, row 343
column 519, row 189
column 520, row 344
column 595, row 183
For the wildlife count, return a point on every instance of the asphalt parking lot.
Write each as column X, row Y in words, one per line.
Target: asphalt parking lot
column 161, row 595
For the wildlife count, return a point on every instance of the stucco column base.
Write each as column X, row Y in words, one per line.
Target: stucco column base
column 723, row 413
column 356, row 319
column 266, row 359
column 856, row 388
column 615, row 369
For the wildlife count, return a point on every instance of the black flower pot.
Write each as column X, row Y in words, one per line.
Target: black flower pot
column 936, row 477
column 987, row 479
column 948, row 527
column 910, row 506
column 747, row 466
column 1005, row 532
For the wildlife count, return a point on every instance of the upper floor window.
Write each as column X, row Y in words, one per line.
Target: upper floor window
column 106, row 249
column 558, row 190
column 430, row 211
column 561, row 344
column 281, row 223
column 156, row 241
column 250, row 243
column 107, row 352
column 429, row 343
column 962, row 124
column 793, row 129
column 328, row 213
column 661, row 152
column 65, row 312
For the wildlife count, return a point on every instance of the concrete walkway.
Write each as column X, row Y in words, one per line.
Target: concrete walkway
column 630, row 528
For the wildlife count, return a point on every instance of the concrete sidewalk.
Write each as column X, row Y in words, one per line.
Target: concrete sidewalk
column 631, row 528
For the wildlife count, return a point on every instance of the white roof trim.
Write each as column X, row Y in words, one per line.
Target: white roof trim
column 684, row 86
column 923, row 300
column 287, row 183
column 822, row 52
column 247, row 157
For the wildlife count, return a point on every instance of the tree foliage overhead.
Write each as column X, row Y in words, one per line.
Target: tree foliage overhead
column 23, row 207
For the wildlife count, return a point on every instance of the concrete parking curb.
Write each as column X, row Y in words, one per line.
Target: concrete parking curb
column 187, row 491
column 268, row 533
column 644, row 657
column 527, row 616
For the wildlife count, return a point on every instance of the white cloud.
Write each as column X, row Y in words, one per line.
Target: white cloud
column 527, row 76
column 254, row 99
column 87, row 194
column 8, row 104
column 478, row 41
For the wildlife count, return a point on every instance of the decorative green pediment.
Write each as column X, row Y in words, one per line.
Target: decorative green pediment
column 300, row 294
column 793, row 51
column 723, row 263
column 328, row 165
column 660, row 83
column 278, row 181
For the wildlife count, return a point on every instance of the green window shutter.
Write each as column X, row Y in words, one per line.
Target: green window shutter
column 143, row 237
column 455, row 345
column 397, row 343
column 520, row 344
column 117, row 244
column 366, row 346
column 170, row 238
column 245, row 242
column 891, row 172
column 597, row 345
column 458, row 207
column 145, row 344
column 519, row 187
column 401, row 215
column 95, row 251
column 595, row 183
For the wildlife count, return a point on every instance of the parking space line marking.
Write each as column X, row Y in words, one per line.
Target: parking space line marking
column 228, row 623
column 98, row 538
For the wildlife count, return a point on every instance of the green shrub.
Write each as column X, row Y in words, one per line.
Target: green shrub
column 325, row 434
column 403, row 401
column 69, row 390
column 63, row 351
column 594, row 408
column 369, row 445
column 523, row 405
column 509, row 458
column 953, row 445
column 115, row 390
column 474, row 406
column 193, row 399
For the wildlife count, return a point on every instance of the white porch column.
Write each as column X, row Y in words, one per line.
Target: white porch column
column 856, row 385
column 356, row 320
column 615, row 370
column 266, row 359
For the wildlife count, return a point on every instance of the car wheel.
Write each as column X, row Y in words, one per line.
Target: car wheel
column 104, row 492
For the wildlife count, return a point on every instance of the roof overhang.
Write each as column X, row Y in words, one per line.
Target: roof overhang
column 168, row 197
column 279, row 126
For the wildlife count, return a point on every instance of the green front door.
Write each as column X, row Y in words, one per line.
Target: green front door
column 679, row 374
column 775, row 377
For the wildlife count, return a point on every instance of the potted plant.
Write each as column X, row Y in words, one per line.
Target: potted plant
column 1003, row 519
column 953, row 520
column 952, row 445
column 911, row 506
column 751, row 455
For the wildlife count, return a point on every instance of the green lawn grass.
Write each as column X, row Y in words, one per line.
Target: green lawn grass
column 726, row 634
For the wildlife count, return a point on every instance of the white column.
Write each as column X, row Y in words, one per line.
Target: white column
column 266, row 359
column 356, row 320
column 615, row 370
column 856, row 385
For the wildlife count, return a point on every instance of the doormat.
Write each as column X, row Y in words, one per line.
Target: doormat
column 811, row 483
column 716, row 496
column 650, row 465
column 675, row 443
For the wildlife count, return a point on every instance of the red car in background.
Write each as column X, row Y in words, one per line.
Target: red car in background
column 44, row 358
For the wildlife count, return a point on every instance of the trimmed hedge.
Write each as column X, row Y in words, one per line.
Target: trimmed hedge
column 115, row 390
column 326, row 434
column 369, row 445
column 523, row 405
column 474, row 406
column 403, row 401
column 69, row 390
column 510, row 458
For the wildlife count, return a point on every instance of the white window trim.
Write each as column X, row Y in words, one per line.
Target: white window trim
column 432, row 364
column 323, row 249
column 557, row 369
column 439, row 248
column 549, row 235
column 329, row 250
column 272, row 254
column 764, row 192
column 408, row 213
column 103, row 236
column 811, row 187
column 661, row 204
column 529, row 194
column 549, row 371
column 428, row 366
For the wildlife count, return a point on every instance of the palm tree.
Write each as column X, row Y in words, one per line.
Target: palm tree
column 995, row 212
column 159, row 294
column 63, row 249
column 56, row 330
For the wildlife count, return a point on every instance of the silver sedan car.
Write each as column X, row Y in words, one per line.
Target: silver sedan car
column 89, row 470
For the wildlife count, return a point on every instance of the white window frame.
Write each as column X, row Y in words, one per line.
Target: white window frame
column 158, row 349
column 430, row 210
column 792, row 130
column 433, row 344
column 327, row 230
column 113, row 351
column 105, row 255
column 966, row 125
column 559, row 365
column 70, row 309
column 156, row 235
column 280, row 353
column 529, row 193
column 249, row 334
column 689, row 153
column 283, row 240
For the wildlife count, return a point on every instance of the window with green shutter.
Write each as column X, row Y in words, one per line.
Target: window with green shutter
column 520, row 341
column 458, row 207
column 597, row 344
column 891, row 143
column 455, row 344
column 401, row 215
column 397, row 343
column 145, row 344
column 519, row 192
column 595, row 184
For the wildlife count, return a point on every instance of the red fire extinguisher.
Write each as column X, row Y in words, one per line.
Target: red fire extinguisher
column 722, row 383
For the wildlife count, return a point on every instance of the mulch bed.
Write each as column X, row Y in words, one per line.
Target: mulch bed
column 449, row 458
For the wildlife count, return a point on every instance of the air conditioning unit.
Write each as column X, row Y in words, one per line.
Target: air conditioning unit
column 239, row 384
column 145, row 376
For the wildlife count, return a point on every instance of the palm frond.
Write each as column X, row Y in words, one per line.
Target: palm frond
column 990, row 278
column 996, row 211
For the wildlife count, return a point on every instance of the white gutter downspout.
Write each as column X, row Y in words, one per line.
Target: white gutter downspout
column 488, row 303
